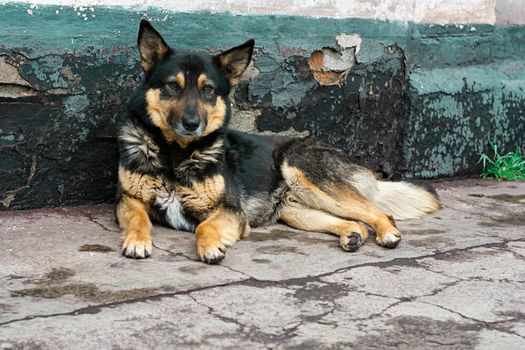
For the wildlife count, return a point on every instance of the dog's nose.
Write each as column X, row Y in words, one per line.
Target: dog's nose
column 191, row 122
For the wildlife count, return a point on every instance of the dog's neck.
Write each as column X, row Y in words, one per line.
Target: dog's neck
column 197, row 158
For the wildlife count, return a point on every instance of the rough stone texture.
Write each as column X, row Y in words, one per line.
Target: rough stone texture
column 58, row 139
column 510, row 12
column 362, row 113
column 446, row 133
column 455, row 282
column 428, row 11
column 405, row 99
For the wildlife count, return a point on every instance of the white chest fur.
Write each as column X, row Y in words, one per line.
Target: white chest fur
column 170, row 203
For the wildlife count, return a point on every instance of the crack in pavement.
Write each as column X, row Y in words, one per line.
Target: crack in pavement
column 197, row 260
column 92, row 309
column 516, row 254
column 240, row 272
column 214, row 313
column 173, row 253
column 490, row 325
column 379, row 313
column 253, row 332
column 413, row 260
column 90, row 218
column 472, row 278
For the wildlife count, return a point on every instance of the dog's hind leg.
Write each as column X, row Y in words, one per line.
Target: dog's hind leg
column 136, row 227
column 351, row 234
column 342, row 200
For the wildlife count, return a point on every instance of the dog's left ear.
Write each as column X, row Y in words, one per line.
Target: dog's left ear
column 235, row 61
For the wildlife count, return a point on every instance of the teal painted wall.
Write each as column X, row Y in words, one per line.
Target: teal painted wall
column 418, row 101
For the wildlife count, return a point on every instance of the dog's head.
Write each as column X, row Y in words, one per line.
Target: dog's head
column 187, row 92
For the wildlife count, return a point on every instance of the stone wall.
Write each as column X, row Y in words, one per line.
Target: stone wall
column 412, row 89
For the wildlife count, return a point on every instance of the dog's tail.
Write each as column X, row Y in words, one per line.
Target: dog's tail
column 402, row 200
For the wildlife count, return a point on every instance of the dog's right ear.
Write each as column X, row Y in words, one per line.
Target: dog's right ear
column 235, row 61
column 153, row 49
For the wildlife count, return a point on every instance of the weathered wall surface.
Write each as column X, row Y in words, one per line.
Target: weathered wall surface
column 417, row 11
column 402, row 96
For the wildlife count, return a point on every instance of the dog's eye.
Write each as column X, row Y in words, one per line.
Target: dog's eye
column 207, row 89
column 173, row 85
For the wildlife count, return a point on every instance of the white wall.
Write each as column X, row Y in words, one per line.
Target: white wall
column 420, row 11
column 510, row 12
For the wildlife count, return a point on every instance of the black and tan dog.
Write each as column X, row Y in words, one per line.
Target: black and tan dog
column 180, row 165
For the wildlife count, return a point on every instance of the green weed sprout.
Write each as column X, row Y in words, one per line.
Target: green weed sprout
column 510, row 166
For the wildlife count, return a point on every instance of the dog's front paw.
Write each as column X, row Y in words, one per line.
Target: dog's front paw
column 389, row 239
column 211, row 254
column 137, row 248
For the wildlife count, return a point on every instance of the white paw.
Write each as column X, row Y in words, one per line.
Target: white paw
column 389, row 239
column 137, row 249
column 212, row 255
column 350, row 242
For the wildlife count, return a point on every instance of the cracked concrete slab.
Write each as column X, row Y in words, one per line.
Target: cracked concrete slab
column 456, row 281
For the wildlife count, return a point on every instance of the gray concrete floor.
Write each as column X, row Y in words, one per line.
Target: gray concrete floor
column 457, row 281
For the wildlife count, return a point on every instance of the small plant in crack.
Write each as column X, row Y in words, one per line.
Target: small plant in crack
column 509, row 166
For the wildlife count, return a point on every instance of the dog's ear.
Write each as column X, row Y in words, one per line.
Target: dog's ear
column 235, row 61
column 153, row 49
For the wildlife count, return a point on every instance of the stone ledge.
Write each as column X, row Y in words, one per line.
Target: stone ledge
column 454, row 112
column 356, row 83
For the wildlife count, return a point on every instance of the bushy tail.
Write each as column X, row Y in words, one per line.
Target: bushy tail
column 403, row 200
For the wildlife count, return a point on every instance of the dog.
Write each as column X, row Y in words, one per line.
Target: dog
column 180, row 165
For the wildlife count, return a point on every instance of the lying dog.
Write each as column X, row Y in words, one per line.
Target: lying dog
column 180, row 165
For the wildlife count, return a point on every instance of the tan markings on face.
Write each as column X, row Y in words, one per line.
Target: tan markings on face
column 216, row 116
column 140, row 186
column 203, row 196
column 179, row 79
column 201, row 81
column 159, row 110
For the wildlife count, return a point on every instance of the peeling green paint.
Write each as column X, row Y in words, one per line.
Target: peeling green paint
column 76, row 104
column 44, row 69
column 8, row 138
column 43, row 33
column 371, row 50
column 433, row 45
column 418, row 100
column 463, row 109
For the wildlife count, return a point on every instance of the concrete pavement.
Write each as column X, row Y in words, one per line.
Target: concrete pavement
column 456, row 281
